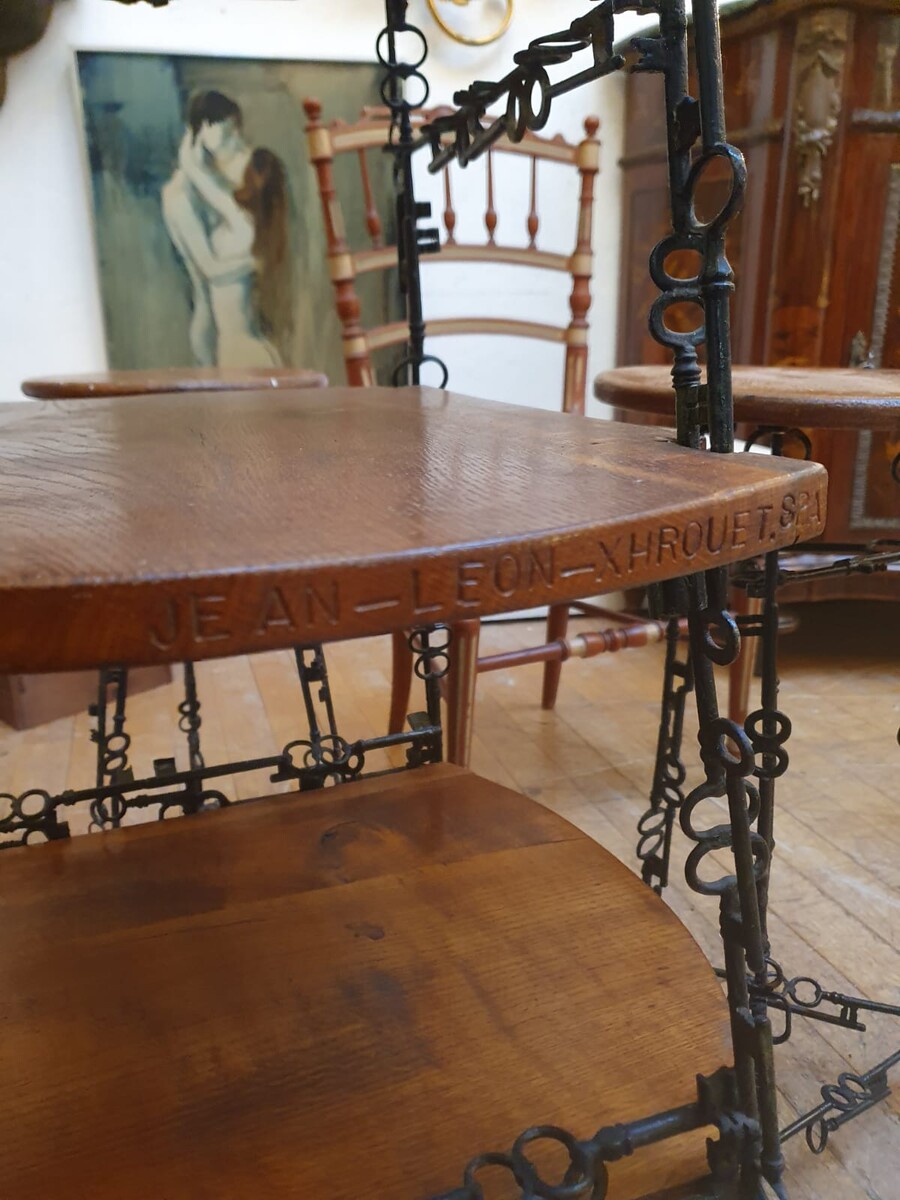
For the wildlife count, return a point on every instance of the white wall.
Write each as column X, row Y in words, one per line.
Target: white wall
column 49, row 303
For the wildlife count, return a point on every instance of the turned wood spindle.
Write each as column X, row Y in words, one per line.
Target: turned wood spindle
column 588, row 163
column 533, row 219
column 373, row 220
column 340, row 260
column 490, row 215
column 449, row 213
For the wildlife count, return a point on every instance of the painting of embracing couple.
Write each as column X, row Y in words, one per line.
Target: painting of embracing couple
column 207, row 220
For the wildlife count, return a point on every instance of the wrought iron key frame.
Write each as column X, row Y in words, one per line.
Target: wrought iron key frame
column 404, row 90
column 321, row 758
column 741, row 764
column 747, row 1155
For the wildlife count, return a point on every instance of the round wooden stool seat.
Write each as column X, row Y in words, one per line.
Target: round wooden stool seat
column 815, row 397
column 185, row 527
column 170, row 379
column 343, row 994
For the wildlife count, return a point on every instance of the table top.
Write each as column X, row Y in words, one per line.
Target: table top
column 170, row 379
column 817, row 397
column 198, row 526
column 343, row 994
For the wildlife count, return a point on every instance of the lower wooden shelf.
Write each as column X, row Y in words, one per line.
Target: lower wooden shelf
column 343, row 994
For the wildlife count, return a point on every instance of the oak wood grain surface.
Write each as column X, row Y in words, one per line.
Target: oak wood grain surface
column 826, row 397
column 834, row 909
column 342, row 995
column 197, row 526
column 170, row 379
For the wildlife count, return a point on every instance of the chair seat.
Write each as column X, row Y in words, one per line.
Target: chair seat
column 815, row 397
column 343, row 994
column 170, row 379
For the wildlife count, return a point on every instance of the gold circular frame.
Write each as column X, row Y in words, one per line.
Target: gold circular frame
column 472, row 41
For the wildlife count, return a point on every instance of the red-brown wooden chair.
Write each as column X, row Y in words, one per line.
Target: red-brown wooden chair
column 361, row 342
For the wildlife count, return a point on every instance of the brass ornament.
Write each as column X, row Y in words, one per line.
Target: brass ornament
column 463, row 39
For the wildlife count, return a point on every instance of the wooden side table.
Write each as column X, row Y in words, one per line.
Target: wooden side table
column 793, row 399
column 789, row 397
column 355, row 991
column 798, row 399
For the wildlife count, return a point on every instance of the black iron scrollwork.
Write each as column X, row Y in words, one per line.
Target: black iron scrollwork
column 32, row 816
column 741, row 765
column 404, row 90
column 189, row 719
column 667, row 792
column 113, row 744
column 727, row 751
column 874, row 558
column 805, row 997
column 526, row 89
column 584, row 1175
column 431, row 662
column 324, row 754
column 779, row 433
column 690, row 121
column 729, row 764
column 767, row 727
column 768, row 730
column 696, row 141
column 843, row 1101
column 324, row 757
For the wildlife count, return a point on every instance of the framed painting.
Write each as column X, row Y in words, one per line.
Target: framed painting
column 208, row 226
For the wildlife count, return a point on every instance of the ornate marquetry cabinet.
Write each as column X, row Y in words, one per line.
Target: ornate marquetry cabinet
column 812, row 93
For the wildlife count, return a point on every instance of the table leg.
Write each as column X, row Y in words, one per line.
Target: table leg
column 401, row 681
column 461, row 680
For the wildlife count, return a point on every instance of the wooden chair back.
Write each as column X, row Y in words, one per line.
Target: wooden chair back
column 346, row 263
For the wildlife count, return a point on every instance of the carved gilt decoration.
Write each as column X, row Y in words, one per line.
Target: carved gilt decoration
column 888, row 48
column 820, row 55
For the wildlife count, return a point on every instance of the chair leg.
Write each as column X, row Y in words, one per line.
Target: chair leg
column 557, row 625
column 460, row 691
column 740, row 673
column 401, row 681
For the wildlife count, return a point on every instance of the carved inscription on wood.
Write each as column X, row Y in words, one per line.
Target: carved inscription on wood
column 313, row 607
column 195, row 619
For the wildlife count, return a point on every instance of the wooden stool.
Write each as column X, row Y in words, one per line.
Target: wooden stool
column 334, row 994
column 29, row 700
column 352, row 992
column 170, row 379
column 787, row 397
column 792, row 399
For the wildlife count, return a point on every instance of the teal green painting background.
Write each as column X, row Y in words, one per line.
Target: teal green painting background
column 134, row 117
